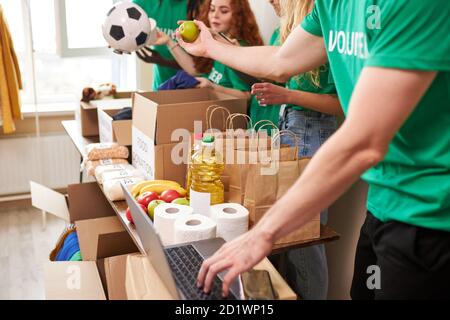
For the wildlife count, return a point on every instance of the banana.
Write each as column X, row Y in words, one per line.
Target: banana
column 160, row 188
column 136, row 191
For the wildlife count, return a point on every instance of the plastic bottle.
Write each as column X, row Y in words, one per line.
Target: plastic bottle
column 198, row 137
column 206, row 168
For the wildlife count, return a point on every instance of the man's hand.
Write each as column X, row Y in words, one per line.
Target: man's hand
column 162, row 39
column 200, row 47
column 270, row 94
column 237, row 256
column 149, row 55
column 204, row 83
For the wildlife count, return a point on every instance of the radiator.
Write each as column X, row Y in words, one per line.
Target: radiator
column 19, row 163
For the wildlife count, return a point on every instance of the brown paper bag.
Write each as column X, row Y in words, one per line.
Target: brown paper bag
column 260, row 154
column 263, row 190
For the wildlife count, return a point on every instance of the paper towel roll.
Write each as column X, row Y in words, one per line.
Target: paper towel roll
column 164, row 220
column 231, row 219
column 194, row 227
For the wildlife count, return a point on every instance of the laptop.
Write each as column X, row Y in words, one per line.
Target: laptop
column 178, row 265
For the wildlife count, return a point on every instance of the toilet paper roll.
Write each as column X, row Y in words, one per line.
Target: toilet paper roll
column 194, row 227
column 231, row 219
column 164, row 220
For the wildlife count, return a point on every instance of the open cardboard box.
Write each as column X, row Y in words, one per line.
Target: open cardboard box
column 87, row 115
column 112, row 268
column 156, row 116
column 111, row 130
column 104, row 245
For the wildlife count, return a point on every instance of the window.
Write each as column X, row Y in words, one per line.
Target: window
column 61, row 49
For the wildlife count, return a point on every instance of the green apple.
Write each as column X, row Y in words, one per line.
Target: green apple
column 189, row 31
column 151, row 208
column 181, row 201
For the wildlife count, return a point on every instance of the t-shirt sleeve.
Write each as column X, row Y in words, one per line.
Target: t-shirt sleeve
column 311, row 23
column 413, row 34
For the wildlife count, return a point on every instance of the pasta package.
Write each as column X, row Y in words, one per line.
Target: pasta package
column 113, row 189
column 121, row 174
column 100, row 170
column 99, row 151
column 92, row 165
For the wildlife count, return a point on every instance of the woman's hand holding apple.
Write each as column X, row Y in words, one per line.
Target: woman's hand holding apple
column 200, row 46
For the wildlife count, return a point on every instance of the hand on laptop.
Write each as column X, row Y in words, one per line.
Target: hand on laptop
column 237, row 256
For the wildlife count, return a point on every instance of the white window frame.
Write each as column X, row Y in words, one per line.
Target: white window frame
column 62, row 42
column 118, row 65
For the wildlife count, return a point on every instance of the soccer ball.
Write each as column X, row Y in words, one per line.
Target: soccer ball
column 127, row 28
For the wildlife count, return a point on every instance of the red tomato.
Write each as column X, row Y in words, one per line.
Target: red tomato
column 169, row 195
column 128, row 215
column 146, row 198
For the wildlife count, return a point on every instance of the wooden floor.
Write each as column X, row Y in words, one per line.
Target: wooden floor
column 24, row 248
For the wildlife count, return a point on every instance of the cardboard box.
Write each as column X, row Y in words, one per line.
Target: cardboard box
column 142, row 284
column 111, row 130
column 156, row 115
column 87, row 115
column 104, row 245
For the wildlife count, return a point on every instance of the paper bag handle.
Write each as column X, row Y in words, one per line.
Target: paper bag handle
column 281, row 133
column 230, row 119
column 210, row 113
column 265, row 123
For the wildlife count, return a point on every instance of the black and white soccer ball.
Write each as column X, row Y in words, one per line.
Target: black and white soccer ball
column 127, row 28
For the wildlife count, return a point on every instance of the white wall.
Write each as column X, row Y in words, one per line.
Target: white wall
column 265, row 16
column 346, row 216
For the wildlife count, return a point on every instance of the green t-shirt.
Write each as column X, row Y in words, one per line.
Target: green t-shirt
column 226, row 77
column 412, row 183
column 166, row 14
column 257, row 112
column 303, row 83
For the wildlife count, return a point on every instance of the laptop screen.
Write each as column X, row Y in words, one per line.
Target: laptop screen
column 151, row 243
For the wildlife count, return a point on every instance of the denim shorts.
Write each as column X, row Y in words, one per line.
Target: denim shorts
column 306, row 269
column 311, row 127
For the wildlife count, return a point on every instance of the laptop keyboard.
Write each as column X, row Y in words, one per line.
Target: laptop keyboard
column 185, row 263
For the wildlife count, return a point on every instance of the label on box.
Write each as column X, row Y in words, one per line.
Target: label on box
column 105, row 127
column 103, row 146
column 143, row 153
column 200, row 202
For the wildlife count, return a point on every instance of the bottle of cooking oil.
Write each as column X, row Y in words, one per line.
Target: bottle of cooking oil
column 206, row 168
column 198, row 137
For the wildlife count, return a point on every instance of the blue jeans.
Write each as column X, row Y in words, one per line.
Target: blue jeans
column 306, row 269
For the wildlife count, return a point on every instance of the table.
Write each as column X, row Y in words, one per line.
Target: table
column 72, row 129
column 327, row 234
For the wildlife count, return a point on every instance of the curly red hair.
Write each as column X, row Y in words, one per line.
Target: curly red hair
column 243, row 28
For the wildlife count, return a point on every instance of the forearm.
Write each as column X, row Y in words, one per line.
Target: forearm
column 324, row 103
column 249, row 60
column 233, row 92
column 377, row 111
column 300, row 53
column 169, row 64
column 184, row 60
column 335, row 167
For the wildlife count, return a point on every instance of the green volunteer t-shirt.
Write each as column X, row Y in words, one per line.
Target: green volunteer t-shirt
column 257, row 112
column 166, row 14
column 412, row 183
column 226, row 77
column 304, row 83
